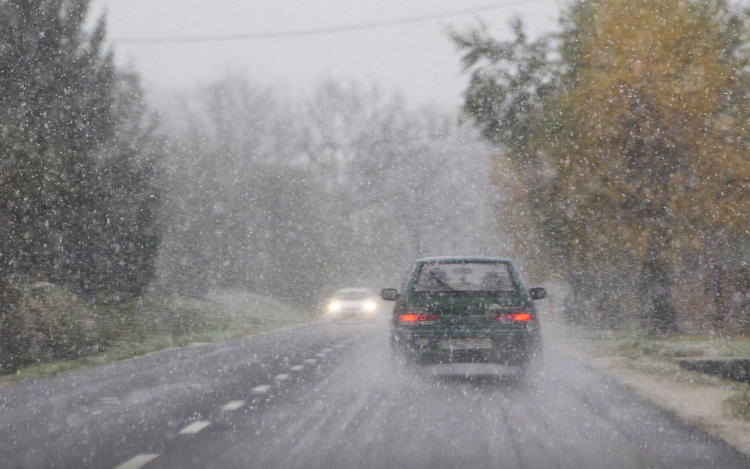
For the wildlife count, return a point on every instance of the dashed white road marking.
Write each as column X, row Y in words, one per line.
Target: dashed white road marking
column 109, row 401
column 281, row 377
column 328, row 350
column 339, row 345
column 297, row 367
column 262, row 389
column 310, row 361
column 232, row 405
column 321, row 355
column 195, row 427
column 138, row 461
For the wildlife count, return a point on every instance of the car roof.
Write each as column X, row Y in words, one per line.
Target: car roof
column 463, row 258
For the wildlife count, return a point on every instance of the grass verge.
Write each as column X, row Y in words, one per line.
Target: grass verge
column 105, row 333
column 658, row 356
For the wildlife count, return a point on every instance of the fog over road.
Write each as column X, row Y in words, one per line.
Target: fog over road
column 333, row 396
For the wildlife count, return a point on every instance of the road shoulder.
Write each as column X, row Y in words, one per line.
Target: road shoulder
column 697, row 399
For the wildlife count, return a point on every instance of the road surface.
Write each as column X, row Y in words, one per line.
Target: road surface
column 333, row 396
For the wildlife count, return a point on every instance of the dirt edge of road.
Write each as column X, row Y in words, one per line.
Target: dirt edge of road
column 703, row 405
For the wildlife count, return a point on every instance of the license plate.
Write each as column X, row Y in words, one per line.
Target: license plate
column 465, row 344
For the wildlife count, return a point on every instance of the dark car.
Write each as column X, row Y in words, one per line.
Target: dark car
column 465, row 309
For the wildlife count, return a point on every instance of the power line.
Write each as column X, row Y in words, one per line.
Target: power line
column 322, row 31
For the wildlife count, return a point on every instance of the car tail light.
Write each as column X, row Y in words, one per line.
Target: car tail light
column 419, row 318
column 523, row 316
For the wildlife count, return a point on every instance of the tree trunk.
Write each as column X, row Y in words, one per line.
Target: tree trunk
column 662, row 316
column 718, row 294
column 574, row 311
column 15, row 340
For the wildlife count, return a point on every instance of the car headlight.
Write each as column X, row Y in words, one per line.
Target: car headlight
column 334, row 306
column 369, row 306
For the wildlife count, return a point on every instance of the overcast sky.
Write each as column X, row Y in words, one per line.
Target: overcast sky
column 415, row 59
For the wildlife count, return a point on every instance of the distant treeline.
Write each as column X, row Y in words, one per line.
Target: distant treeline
column 292, row 197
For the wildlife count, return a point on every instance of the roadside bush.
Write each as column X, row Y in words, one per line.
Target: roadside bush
column 41, row 321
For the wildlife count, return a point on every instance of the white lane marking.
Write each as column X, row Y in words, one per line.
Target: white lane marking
column 138, row 461
column 328, row 350
column 281, row 377
column 109, row 401
column 262, row 389
column 297, row 367
column 321, row 355
column 310, row 361
column 232, row 405
column 195, row 427
column 339, row 345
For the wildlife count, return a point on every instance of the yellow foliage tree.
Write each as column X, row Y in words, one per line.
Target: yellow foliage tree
column 516, row 219
column 647, row 138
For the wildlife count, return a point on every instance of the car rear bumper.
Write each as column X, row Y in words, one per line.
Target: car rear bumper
column 508, row 347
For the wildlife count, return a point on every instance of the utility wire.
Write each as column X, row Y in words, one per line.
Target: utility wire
column 321, row 31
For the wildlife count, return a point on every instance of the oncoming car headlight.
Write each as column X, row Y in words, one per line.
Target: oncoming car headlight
column 334, row 306
column 369, row 306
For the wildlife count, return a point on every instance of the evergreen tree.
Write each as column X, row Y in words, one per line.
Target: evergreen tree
column 77, row 153
column 124, row 236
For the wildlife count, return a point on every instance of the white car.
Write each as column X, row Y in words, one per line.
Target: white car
column 353, row 304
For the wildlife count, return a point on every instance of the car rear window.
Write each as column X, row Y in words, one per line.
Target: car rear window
column 465, row 279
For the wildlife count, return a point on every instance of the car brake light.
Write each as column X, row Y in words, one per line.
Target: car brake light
column 419, row 318
column 513, row 317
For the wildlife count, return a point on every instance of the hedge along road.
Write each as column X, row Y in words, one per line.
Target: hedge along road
column 333, row 396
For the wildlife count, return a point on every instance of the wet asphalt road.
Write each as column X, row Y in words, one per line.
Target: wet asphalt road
column 333, row 396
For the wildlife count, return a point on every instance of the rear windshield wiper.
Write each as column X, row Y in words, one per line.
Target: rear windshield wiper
column 441, row 282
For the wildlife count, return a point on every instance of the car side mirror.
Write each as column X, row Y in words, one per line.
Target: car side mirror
column 389, row 294
column 537, row 293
